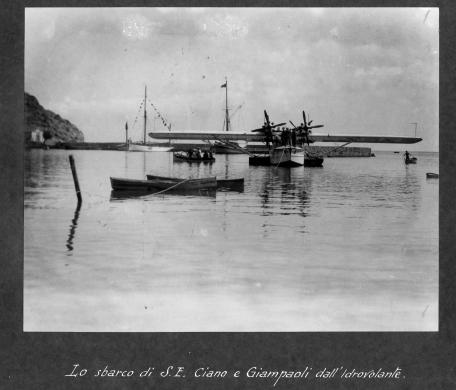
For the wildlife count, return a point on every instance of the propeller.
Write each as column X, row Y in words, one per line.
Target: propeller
column 268, row 126
column 305, row 127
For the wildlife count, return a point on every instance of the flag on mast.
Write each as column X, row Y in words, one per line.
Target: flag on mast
column 223, row 85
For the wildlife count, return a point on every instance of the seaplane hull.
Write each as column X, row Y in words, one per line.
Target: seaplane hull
column 286, row 156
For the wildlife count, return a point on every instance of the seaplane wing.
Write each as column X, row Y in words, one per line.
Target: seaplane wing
column 368, row 139
column 201, row 136
column 255, row 137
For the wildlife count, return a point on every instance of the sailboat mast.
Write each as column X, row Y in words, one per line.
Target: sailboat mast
column 227, row 116
column 145, row 113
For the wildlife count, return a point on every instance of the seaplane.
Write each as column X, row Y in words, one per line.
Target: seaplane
column 284, row 146
column 281, row 149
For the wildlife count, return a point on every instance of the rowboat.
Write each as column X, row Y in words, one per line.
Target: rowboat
column 128, row 194
column 431, row 175
column 236, row 183
column 411, row 160
column 162, row 184
column 183, row 157
column 231, row 184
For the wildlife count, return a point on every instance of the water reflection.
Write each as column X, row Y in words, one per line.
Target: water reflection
column 73, row 226
column 281, row 187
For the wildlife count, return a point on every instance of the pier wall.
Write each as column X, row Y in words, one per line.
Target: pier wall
column 346, row 151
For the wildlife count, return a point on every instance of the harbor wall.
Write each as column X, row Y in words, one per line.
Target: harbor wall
column 346, row 151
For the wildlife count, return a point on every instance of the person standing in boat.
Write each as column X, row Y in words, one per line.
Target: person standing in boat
column 293, row 137
column 407, row 155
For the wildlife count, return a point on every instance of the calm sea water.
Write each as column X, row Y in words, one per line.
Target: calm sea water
column 352, row 246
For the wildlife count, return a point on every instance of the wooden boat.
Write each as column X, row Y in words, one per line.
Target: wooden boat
column 231, row 184
column 162, row 184
column 127, row 194
column 410, row 160
column 194, row 159
column 221, row 183
column 431, row 175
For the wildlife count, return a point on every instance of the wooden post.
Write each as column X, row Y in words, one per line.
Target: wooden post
column 75, row 179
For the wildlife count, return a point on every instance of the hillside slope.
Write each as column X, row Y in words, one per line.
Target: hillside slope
column 37, row 117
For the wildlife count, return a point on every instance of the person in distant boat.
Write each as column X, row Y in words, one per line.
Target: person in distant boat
column 205, row 155
column 276, row 140
column 198, row 154
column 190, row 153
column 407, row 155
column 293, row 137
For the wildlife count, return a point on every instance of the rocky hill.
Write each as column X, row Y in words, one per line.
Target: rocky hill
column 51, row 124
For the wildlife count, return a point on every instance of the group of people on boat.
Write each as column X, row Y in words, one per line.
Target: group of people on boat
column 287, row 137
column 196, row 154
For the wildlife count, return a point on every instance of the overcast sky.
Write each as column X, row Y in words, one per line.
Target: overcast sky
column 368, row 71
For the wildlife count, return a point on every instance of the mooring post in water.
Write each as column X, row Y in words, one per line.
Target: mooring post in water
column 75, row 179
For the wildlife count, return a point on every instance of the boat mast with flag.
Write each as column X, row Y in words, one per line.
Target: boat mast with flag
column 143, row 146
column 227, row 147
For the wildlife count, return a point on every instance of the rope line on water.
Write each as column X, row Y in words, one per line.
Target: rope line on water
column 169, row 188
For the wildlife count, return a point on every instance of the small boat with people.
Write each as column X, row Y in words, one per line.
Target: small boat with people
column 195, row 155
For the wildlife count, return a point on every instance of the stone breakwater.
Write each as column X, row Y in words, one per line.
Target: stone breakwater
column 346, row 151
